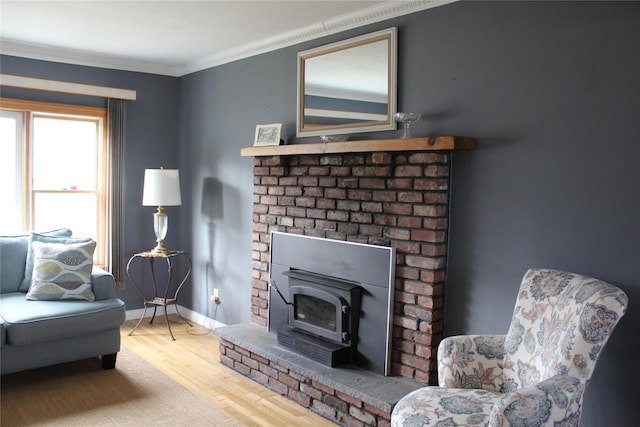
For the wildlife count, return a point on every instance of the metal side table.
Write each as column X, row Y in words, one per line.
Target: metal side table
column 160, row 300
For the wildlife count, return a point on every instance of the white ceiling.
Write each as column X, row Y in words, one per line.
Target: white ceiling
column 178, row 37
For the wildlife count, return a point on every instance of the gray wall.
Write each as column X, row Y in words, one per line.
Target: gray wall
column 552, row 94
column 152, row 135
column 550, row 90
column 220, row 108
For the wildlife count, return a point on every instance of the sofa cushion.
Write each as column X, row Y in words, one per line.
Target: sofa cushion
column 103, row 284
column 28, row 322
column 13, row 255
column 3, row 335
column 36, row 237
column 62, row 271
column 428, row 406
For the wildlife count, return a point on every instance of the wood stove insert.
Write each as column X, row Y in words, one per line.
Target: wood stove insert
column 323, row 317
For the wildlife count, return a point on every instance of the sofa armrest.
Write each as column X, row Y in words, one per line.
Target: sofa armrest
column 471, row 361
column 554, row 401
column 103, row 283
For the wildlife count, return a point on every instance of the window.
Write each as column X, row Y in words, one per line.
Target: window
column 10, row 170
column 54, row 170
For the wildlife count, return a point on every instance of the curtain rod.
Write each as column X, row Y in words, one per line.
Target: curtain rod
column 66, row 87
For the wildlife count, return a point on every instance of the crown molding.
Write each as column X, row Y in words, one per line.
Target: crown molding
column 381, row 12
column 78, row 57
column 378, row 13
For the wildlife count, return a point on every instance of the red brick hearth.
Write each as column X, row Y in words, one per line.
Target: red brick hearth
column 389, row 199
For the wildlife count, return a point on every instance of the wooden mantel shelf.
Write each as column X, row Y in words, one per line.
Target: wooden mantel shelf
column 431, row 143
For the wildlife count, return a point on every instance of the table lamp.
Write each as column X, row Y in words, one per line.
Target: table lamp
column 161, row 188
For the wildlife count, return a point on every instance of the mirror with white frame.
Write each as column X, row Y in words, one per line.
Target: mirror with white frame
column 348, row 86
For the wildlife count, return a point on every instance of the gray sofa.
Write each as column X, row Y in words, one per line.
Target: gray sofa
column 38, row 333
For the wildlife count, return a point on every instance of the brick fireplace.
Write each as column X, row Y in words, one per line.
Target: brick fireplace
column 387, row 198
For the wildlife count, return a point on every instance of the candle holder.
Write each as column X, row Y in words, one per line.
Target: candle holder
column 406, row 119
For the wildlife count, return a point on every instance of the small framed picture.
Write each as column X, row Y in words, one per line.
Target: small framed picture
column 267, row 135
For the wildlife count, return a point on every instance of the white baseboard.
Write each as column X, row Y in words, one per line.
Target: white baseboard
column 198, row 318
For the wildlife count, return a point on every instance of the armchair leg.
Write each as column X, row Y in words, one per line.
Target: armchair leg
column 109, row 361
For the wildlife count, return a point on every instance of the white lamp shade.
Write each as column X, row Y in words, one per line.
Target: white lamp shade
column 161, row 187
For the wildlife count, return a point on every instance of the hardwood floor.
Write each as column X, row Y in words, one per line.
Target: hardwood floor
column 193, row 361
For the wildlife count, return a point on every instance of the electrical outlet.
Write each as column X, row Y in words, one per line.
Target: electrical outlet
column 215, row 297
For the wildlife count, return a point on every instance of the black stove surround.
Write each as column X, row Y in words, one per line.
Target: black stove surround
column 332, row 300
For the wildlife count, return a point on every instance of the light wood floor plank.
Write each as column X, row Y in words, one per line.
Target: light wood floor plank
column 193, row 360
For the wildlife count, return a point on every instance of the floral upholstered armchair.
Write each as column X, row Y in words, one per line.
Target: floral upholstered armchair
column 535, row 375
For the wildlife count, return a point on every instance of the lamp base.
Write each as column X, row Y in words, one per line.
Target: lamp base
column 160, row 248
column 160, row 227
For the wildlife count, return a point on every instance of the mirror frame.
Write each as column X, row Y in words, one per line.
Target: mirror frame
column 389, row 34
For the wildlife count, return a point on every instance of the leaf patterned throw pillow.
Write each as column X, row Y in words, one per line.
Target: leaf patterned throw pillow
column 62, row 271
